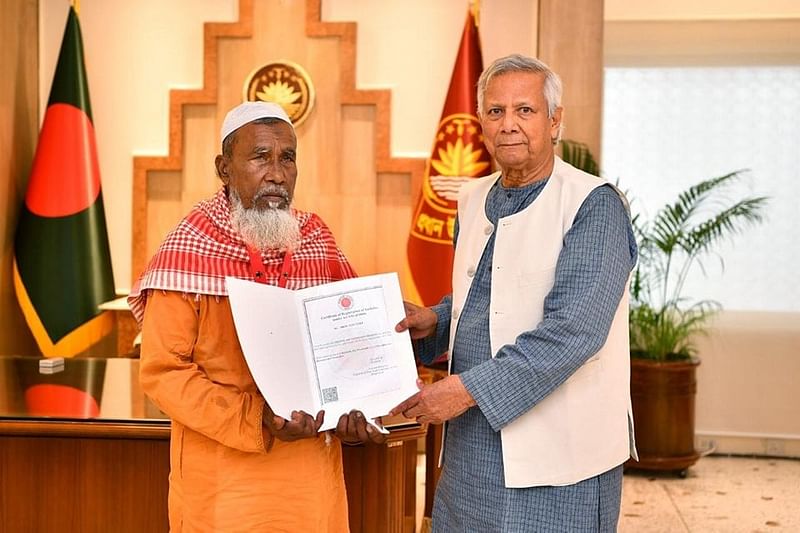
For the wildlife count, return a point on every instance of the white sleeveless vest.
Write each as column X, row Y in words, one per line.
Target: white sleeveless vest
column 585, row 426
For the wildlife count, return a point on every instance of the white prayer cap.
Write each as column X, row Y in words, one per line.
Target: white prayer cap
column 247, row 112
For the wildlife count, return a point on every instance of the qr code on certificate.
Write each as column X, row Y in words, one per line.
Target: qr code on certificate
column 330, row 394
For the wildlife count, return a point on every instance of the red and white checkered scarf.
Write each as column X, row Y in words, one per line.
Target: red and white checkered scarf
column 204, row 248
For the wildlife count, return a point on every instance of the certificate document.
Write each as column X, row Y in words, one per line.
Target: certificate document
column 330, row 347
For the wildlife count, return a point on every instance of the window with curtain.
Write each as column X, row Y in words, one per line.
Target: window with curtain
column 666, row 128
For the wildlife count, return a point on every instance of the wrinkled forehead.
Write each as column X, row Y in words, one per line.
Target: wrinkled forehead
column 276, row 130
column 516, row 87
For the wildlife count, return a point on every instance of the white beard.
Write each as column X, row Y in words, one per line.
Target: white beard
column 271, row 228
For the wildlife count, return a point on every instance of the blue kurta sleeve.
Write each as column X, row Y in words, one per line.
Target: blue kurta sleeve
column 591, row 273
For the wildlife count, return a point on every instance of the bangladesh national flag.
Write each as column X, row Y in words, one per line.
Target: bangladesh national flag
column 62, row 265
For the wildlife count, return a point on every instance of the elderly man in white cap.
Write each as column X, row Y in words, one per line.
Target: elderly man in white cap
column 235, row 466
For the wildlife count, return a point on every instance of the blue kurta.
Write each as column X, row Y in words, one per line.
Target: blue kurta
column 593, row 266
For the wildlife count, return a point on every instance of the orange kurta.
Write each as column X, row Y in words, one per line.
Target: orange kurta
column 222, row 477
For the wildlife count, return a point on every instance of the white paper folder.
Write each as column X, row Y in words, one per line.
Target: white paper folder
column 331, row 347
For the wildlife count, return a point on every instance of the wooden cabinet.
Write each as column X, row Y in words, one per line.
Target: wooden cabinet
column 381, row 484
column 83, row 477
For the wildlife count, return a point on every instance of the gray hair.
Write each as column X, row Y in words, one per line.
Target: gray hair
column 520, row 63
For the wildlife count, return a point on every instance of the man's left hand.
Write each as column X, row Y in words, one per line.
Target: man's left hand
column 353, row 428
column 438, row 402
column 300, row 426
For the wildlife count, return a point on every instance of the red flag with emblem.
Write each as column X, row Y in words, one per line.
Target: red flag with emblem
column 458, row 154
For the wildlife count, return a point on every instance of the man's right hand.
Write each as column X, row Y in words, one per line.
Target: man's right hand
column 300, row 426
column 419, row 321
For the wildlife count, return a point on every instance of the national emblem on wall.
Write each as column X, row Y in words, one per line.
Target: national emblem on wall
column 284, row 83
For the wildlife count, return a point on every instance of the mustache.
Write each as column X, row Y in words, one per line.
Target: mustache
column 272, row 190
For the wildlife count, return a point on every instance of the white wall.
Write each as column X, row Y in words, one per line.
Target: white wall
column 410, row 46
column 618, row 10
column 747, row 395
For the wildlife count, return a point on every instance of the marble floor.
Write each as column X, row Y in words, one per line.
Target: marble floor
column 720, row 494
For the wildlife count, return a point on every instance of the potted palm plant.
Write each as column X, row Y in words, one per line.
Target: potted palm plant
column 664, row 321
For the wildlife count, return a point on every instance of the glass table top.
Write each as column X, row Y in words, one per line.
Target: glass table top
column 103, row 389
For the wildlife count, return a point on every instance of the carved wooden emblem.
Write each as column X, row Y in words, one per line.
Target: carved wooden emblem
column 284, row 83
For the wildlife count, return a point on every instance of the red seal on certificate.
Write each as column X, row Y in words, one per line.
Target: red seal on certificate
column 346, row 302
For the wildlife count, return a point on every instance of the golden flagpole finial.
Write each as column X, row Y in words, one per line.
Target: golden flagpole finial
column 76, row 5
column 475, row 10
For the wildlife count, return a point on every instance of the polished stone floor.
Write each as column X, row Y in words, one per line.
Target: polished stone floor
column 719, row 495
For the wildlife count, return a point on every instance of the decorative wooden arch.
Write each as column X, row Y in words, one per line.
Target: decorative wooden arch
column 399, row 178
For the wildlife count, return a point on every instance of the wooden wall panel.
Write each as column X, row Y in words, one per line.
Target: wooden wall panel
column 164, row 205
column 343, row 146
column 571, row 42
column 199, row 175
column 358, row 218
column 394, row 196
column 19, row 127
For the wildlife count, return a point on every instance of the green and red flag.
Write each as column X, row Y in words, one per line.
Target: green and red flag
column 62, row 263
column 458, row 155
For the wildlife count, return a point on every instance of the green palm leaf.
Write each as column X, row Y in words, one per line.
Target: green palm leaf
column 579, row 156
column 663, row 321
column 704, row 235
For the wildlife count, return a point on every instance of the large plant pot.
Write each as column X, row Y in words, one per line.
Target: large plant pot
column 662, row 394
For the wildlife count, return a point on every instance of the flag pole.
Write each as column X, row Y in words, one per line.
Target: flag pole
column 474, row 9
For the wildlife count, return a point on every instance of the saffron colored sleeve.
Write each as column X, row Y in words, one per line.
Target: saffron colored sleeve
column 193, row 370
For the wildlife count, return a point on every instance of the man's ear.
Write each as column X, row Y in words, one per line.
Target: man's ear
column 221, row 162
column 555, row 124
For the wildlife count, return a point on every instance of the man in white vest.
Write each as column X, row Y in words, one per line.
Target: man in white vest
column 537, row 402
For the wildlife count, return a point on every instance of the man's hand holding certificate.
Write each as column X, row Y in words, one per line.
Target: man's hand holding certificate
column 330, row 347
